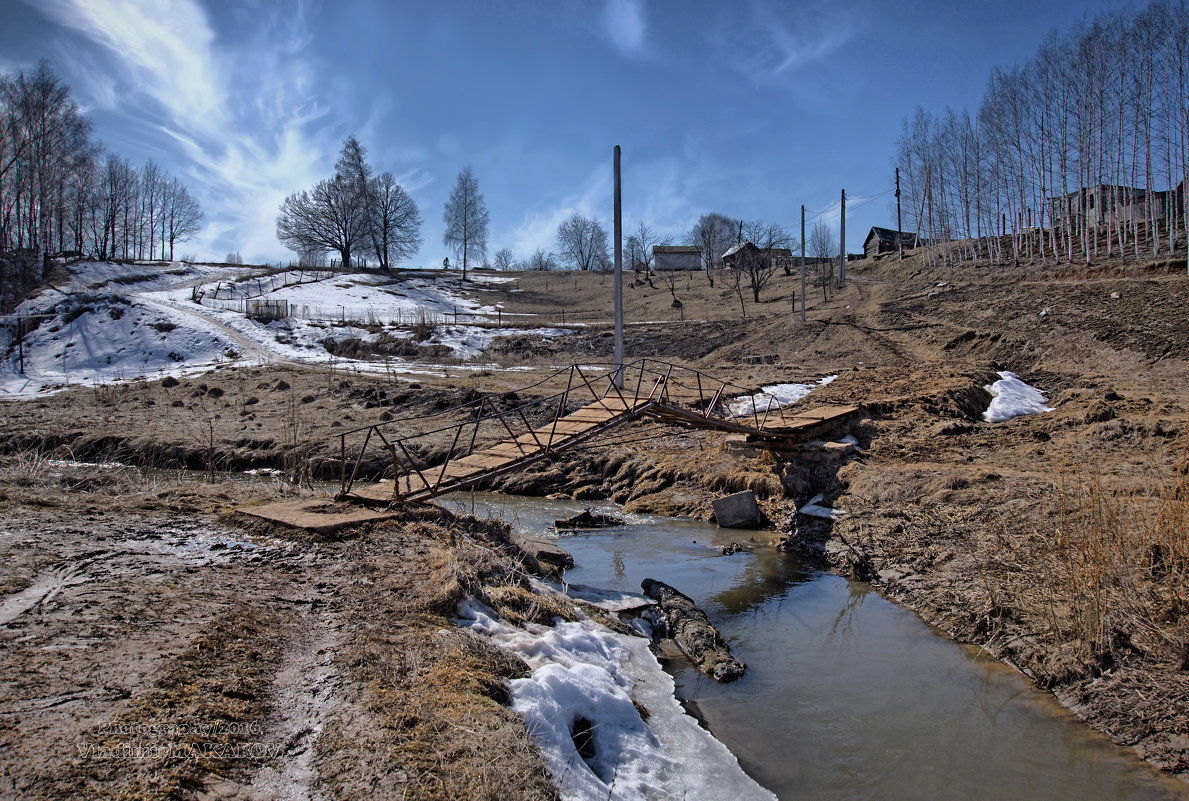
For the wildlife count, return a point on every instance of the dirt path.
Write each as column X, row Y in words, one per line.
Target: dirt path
column 250, row 349
column 174, row 655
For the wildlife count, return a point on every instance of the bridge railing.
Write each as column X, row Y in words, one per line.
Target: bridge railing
column 439, row 439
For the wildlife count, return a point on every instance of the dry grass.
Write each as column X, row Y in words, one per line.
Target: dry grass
column 1121, row 563
column 435, row 696
column 30, row 479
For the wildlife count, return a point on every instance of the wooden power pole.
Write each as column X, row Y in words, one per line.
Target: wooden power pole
column 842, row 243
column 618, row 276
column 899, row 224
column 802, row 262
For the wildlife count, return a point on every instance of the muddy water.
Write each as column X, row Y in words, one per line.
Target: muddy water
column 846, row 695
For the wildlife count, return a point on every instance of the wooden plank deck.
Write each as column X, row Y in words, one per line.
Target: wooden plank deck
column 509, row 453
column 506, row 453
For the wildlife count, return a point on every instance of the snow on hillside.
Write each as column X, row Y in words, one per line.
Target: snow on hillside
column 1011, row 397
column 113, row 322
column 100, row 338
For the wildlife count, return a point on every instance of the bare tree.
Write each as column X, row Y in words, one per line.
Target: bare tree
column 182, row 215
column 466, row 219
column 713, row 233
column 46, row 136
column 634, row 253
column 582, row 242
column 541, row 260
column 352, row 168
column 639, row 245
column 59, row 190
column 329, row 217
column 354, row 213
column 822, row 247
column 394, row 222
column 504, row 259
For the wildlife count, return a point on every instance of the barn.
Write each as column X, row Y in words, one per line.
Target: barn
column 676, row 257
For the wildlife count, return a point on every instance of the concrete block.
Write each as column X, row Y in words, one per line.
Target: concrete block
column 738, row 511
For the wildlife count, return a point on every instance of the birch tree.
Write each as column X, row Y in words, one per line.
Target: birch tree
column 466, row 219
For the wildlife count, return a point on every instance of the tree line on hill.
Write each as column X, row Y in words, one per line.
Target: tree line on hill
column 361, row 216
column 1077, row 152
column 62, row 192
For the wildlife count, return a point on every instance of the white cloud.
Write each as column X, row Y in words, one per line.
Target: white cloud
column 781, row 40
column 539, row 228
column 623, row 23
column 165, row 47
column 250, row 121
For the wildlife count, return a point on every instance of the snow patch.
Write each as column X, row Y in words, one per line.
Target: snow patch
column 774, row 396
column 815, row 509
column 584, row 670
column 1011, row 397
column 609, row 600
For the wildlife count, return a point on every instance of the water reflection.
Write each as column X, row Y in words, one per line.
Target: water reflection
column 847, row 695
column 842, row 626
column 617, row 563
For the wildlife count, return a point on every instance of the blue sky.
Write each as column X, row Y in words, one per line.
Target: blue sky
column 748, row 108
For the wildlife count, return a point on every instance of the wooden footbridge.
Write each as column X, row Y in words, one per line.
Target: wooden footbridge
column 496, row 434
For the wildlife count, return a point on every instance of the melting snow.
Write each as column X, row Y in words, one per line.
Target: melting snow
column 775, row 396
column 1013, row 398
column 815, row 509
column 583, row 669
column 115, row 322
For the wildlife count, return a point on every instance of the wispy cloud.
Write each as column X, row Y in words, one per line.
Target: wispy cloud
column 625, row 25
column 165, row 47
column 539, row 227
column 781, row 40
column 250, row 121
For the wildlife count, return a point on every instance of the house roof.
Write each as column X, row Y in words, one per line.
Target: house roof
column 731, row 251
column 676, row 249
column 890, row 236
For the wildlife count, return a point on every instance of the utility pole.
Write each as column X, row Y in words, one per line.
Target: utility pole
column 802, row 262
column 842, row 243
column 618, row 276
column 899, row 224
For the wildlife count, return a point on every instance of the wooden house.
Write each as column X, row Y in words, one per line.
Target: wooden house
column 1104, row 204
column 885, row 240
column 676, row 257
column 744, row 251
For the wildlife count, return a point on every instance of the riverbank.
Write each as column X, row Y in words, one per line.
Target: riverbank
column 1016, row 536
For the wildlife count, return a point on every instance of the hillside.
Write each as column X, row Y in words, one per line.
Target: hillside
column 1056, row 541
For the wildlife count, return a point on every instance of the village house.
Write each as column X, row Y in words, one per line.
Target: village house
column 775, row 257
column 885, row 240
column 1105, row 204
column 676, row 257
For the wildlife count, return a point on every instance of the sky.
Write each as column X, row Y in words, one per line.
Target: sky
column 750, row 108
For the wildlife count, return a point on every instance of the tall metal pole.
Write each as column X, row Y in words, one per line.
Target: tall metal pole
column 618, row 277
column 842, row 243
column 899, row 224
column 802, row 263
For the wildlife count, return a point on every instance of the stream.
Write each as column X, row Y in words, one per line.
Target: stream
column 846, row 695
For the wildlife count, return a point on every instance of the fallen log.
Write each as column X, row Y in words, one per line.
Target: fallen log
column 691, row 629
